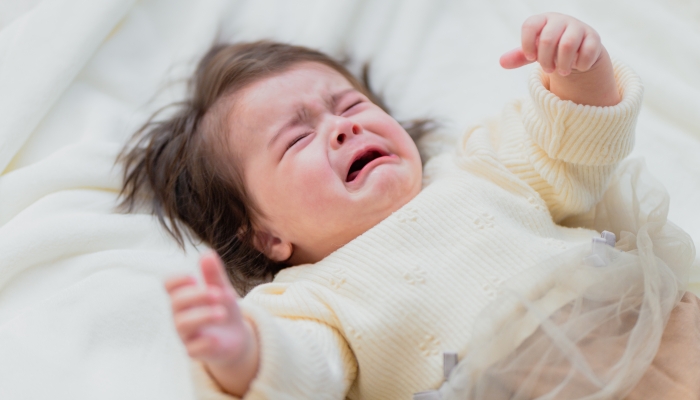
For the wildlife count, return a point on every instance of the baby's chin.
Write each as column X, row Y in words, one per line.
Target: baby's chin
column 380, row 196
column 389, row 189
column 386, row 197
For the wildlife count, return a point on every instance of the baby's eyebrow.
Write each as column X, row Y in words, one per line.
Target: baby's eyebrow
column 302, row 114
column 332, row 102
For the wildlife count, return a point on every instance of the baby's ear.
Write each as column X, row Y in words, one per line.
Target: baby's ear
column 273, row 247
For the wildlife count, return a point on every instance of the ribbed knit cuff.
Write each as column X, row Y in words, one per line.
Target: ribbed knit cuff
column 268, row 374
column 206, row 388
column 271, row 371
column 583, row 134
column 293, row 363
column 299, row 359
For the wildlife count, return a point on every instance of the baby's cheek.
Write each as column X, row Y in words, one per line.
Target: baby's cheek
column 313, row 192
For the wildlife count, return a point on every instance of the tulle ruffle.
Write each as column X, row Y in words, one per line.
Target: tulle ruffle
column 587, row 323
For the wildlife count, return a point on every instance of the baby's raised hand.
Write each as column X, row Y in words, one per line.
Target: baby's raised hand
column 558, row 42
column 211, row 326
column 570, row 52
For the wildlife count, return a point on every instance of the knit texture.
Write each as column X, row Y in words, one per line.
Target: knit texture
column 372, row 320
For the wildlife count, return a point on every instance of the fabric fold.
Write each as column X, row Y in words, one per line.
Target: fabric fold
column 40, row 57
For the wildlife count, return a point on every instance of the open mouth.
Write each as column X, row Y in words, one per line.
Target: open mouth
column 362, row 161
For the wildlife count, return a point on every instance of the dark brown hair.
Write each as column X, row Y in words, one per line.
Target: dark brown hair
column 175, row 167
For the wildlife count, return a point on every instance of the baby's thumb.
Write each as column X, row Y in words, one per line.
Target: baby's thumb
column 213, row 270
column 514, row 59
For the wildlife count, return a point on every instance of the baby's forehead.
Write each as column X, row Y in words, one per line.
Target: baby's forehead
column 254, row 113
column 292, row 91
column 299, row 80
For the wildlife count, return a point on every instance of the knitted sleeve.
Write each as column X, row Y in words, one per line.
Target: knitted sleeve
column 565, row 151
column 299, row 359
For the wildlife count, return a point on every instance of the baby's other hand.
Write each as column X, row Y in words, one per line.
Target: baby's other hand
column 558, row 42
column 207, row 318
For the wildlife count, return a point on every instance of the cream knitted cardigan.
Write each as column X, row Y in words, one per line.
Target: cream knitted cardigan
column 372, row 320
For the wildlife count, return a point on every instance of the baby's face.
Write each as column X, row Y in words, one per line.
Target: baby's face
column 322, row 163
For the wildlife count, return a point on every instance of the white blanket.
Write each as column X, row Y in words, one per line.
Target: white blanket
column 83, row 314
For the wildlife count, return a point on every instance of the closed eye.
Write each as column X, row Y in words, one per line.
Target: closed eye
column 297, row 139
column 353, row 105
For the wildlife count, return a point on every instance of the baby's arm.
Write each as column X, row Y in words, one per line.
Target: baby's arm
column 211, row 326
column 567, row 139
column 248, row 351
column 571, row 53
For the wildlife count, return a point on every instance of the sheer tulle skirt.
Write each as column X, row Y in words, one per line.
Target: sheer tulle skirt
column 585, row 324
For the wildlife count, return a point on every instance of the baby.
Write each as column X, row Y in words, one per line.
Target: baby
column 286, row 165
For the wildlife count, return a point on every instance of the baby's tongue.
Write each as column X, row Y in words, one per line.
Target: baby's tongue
column 353, row 175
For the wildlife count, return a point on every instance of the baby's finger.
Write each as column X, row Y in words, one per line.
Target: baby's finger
column 213, row 270
column 191, row 320
column 229, row 299
column 176, row 282
column 530, row 31
column 202, row 346
column 590, row 51
column 514, row 59
column 548, row 42
column 569, row 45
column 194, row 296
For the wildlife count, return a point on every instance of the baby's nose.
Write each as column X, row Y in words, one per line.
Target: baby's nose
column 342, row 135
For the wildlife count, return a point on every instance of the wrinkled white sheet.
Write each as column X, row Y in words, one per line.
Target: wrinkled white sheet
column 82, row 311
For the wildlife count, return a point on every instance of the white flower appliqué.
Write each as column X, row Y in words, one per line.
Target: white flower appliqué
column 430, row 346
column 560, row 244
column 338, row 279
column 415, row 276
column 537, row 204
column 356, row 336
column 484, row 220
column 407, row 214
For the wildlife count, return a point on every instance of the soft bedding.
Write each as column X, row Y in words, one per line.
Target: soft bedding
column 83, row 314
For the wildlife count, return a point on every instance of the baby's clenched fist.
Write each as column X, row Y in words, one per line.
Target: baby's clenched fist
column 577, row 66
column 558, row 42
